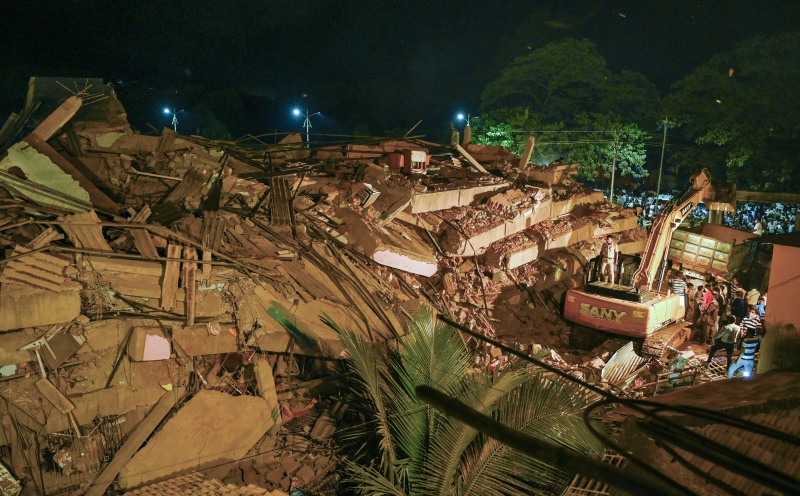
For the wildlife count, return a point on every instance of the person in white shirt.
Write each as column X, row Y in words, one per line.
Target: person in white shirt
column 759, row 228
column 609, row 253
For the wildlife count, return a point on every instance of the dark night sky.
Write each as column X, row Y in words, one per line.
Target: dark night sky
column 396, row 62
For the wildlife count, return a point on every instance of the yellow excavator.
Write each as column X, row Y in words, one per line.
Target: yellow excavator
column 643, row 312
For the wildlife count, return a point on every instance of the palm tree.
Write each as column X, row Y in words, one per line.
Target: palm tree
column 410, row 448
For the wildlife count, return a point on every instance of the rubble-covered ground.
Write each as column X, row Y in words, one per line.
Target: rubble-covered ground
column 155, row 287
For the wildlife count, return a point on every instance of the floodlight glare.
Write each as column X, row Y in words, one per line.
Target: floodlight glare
column 460, row 117
column 166, row 110
column 296, row 111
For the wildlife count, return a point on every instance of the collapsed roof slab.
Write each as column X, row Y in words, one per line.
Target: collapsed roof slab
column 134, row 385
column 489, row 153
column 536, row 240
column 397, row 259
column 550, row 174
column 392, row 246
column 211, row 429
column 197, row 341
column 24, row 306
column 502, row 227
column 442, row 200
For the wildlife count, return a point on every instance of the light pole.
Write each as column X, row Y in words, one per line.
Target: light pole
column 661, row 164
column 174, row 117
column 306, row 124
column 613, row 169
column 468, row 118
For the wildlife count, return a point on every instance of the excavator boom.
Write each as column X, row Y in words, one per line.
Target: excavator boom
column 668, row 219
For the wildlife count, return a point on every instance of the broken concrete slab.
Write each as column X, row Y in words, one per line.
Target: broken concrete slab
column 148, row 344
column 551, row 174
column 392, row 246
column 208, row 431
column 197, row 341
column 132, row 444
column 23, row 306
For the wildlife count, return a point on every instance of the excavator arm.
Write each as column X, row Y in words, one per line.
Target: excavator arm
column 668, row 219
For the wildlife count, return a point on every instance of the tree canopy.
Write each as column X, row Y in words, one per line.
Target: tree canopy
column 555, row 81
column 742, row 108
column 608, row 143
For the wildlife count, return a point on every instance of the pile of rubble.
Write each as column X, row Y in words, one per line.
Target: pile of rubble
column 154, row 288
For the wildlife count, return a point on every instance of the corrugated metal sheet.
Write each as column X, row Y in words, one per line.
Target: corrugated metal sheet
column 38, row 270
column 622, row 364
column 85, row 231
column 584, row 486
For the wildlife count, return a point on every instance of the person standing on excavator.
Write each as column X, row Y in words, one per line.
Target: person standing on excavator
column 609, row 253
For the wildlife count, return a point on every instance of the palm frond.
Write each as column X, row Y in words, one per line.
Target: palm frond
column 545, row 408
column 370, row 370
column 370, row 482
column 430, row 353
column 480, row 391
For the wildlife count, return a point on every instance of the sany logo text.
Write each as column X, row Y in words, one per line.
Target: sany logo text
column 602, row 313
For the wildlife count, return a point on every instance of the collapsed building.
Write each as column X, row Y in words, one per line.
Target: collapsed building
column 155, row 287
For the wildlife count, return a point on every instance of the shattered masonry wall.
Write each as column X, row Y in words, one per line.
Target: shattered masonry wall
column 442, row 200
column 530, row 254
column 456, row 244
column 551, row 174
column 582, row 233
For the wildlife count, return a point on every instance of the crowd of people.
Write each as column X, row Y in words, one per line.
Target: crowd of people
column 775, row 218
column 723, row 315
column 761, row 218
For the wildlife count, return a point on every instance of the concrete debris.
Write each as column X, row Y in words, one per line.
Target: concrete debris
column 172, row 273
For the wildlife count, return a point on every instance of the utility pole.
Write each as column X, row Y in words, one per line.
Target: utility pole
column 613, row 169
column 661, row 165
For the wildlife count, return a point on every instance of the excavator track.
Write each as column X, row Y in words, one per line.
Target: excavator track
column 671, row 336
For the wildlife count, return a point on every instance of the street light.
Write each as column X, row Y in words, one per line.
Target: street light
column 306, row 123
column 468, row 118
column 174, row 117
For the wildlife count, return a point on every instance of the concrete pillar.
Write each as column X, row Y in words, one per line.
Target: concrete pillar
column 715, row 217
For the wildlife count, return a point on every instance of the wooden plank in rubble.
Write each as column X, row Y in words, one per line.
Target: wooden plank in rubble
column 280, row 204
column 169, row 286
column 48, row 236
column 190, row 284
column 193, row 183
column 141, row 237
column 213, row 230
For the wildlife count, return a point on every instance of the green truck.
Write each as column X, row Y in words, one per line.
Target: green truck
column 714, row 251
